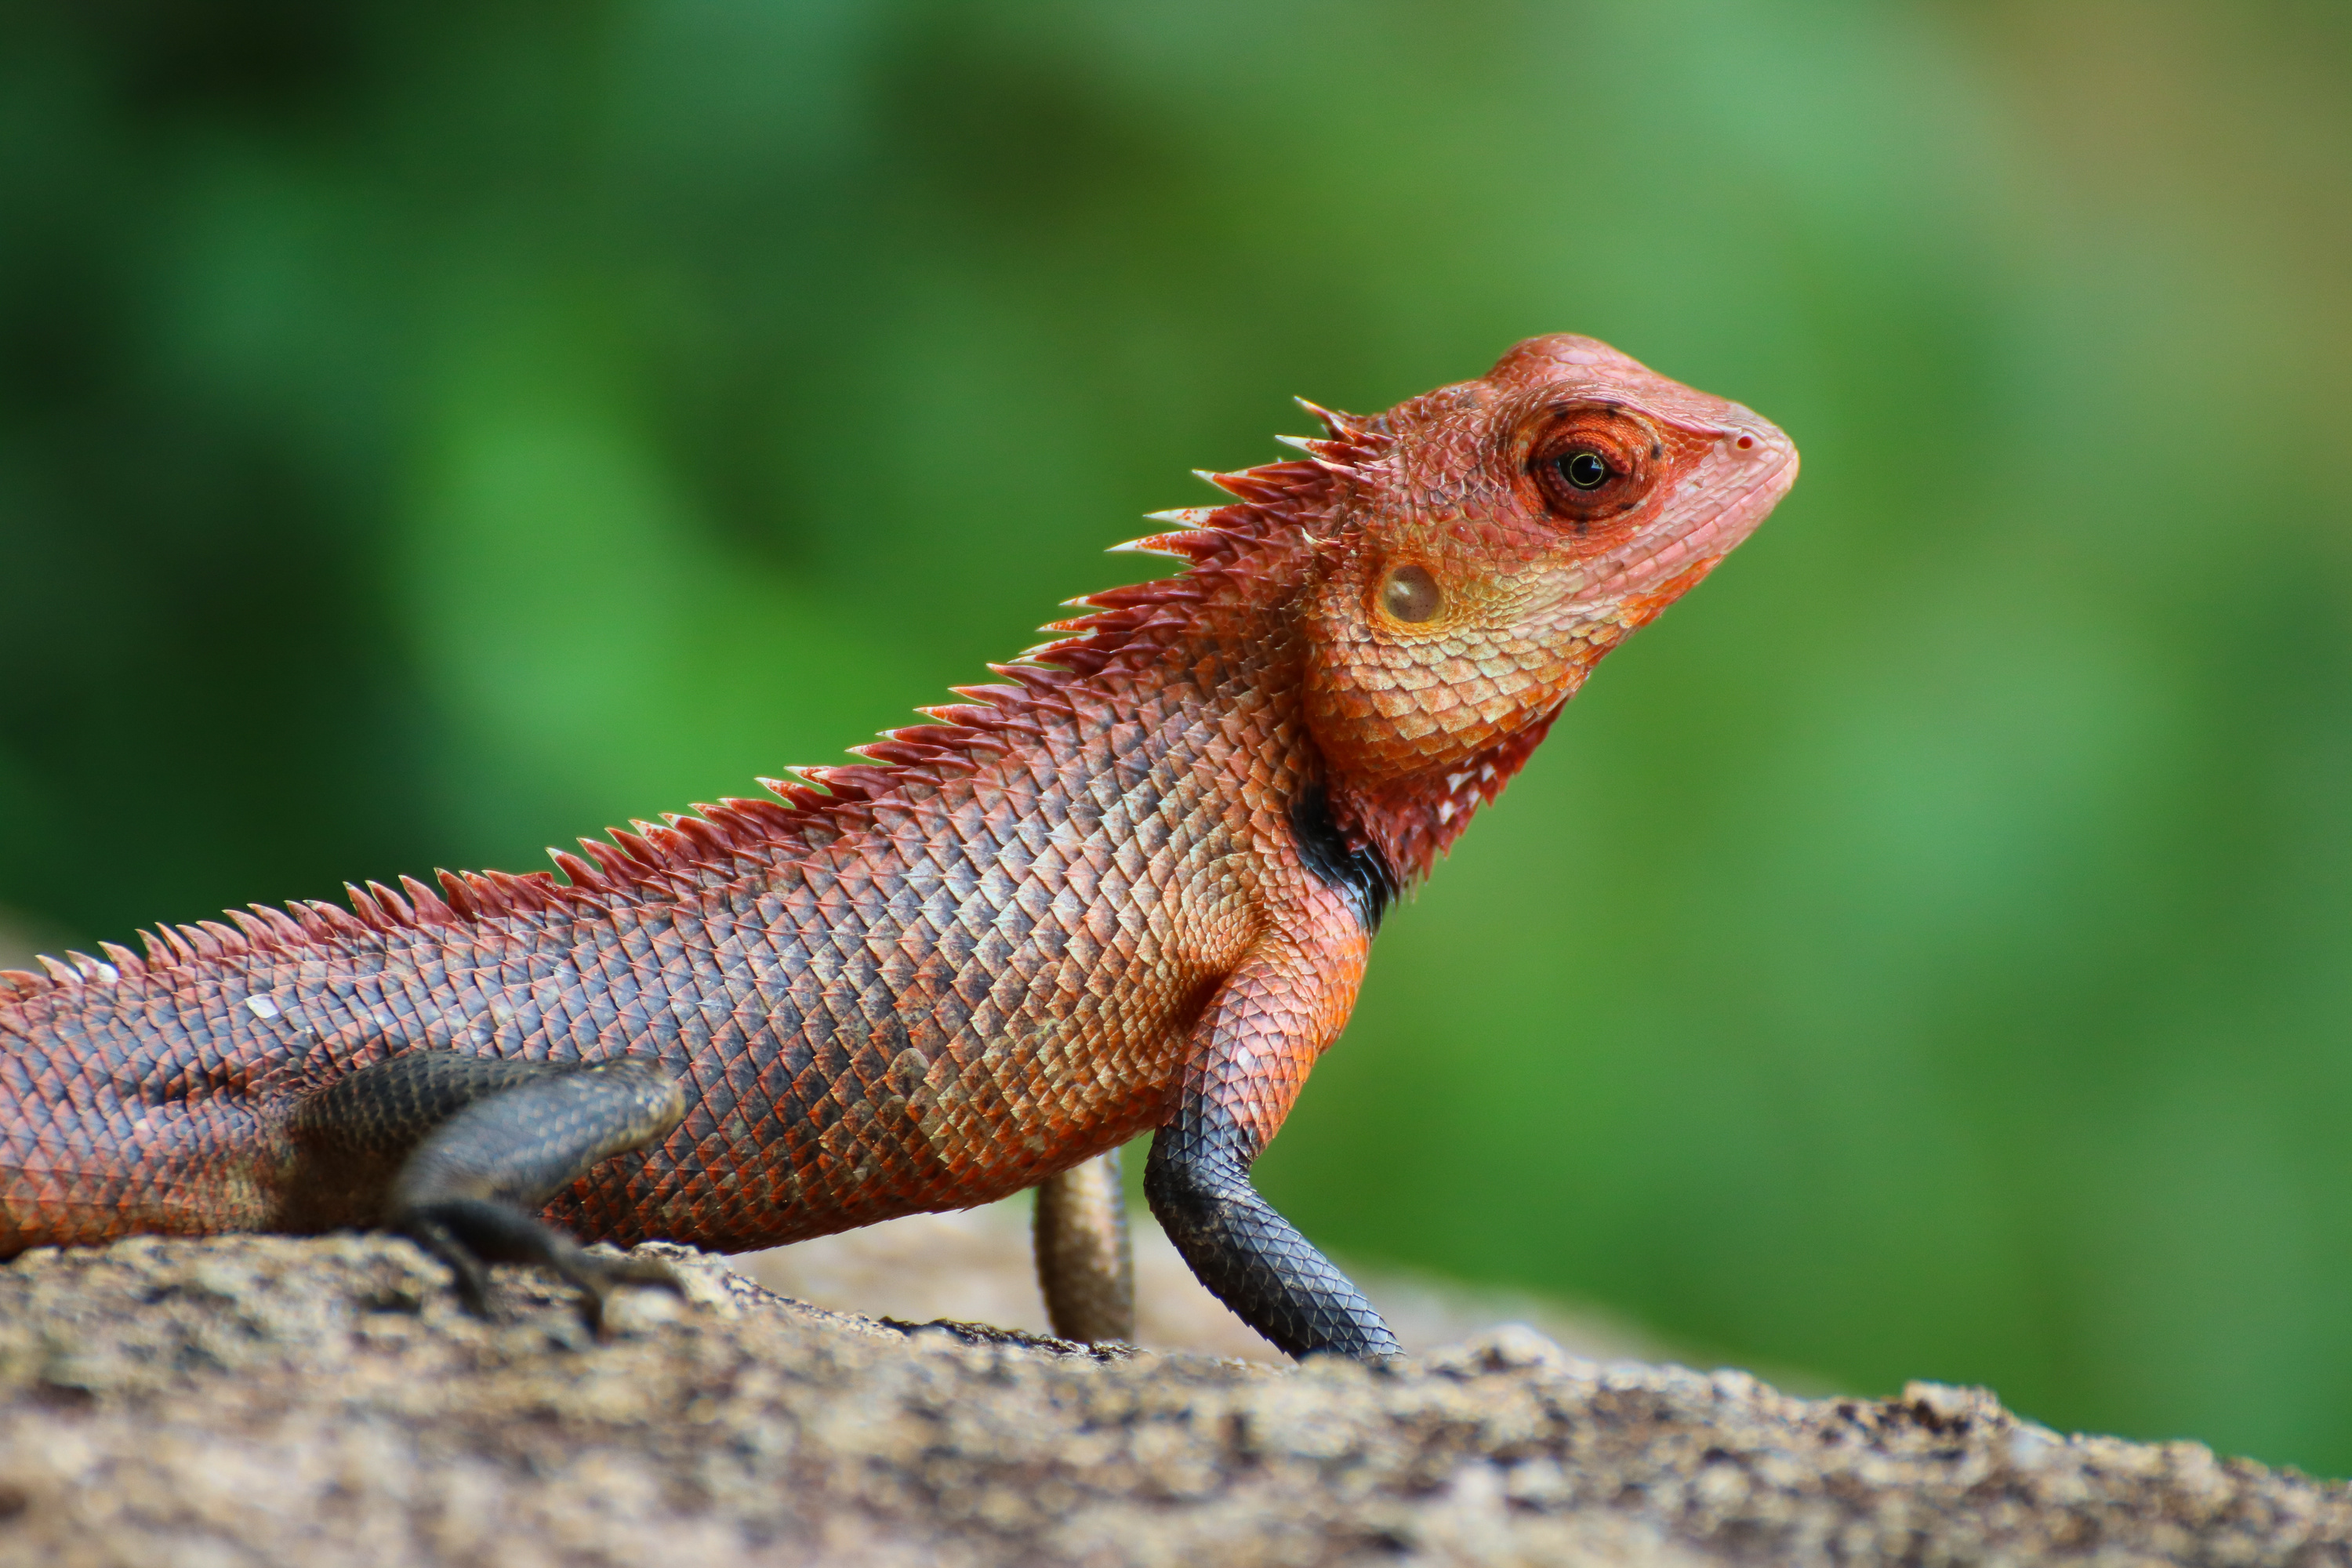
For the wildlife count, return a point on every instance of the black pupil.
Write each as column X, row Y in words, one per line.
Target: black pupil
column 1585, row 470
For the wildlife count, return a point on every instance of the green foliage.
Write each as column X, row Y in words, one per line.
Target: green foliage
column 429, row 432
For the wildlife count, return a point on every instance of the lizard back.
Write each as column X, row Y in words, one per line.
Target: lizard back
column 974, row 962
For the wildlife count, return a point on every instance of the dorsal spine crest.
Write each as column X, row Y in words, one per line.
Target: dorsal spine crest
column 814, row 805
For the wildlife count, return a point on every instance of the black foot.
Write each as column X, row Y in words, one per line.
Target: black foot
column 468, row 1234
column 458, row 1152
column 1251, row 1258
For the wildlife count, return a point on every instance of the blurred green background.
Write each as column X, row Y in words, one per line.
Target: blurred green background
column 431, row 431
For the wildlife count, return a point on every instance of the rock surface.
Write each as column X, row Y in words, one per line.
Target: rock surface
column 975, row 1267
column 263, row 1400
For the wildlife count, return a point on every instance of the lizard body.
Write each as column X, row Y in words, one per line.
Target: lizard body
column 1130, row 886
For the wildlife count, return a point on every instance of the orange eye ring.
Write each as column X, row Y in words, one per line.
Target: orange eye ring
column 1594, row 464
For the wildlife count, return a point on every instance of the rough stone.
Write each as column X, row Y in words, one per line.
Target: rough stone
column 976, row 1266
column 264, row 1400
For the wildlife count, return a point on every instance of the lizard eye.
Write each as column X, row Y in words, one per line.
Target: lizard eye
column 1592, row 465
column 1583, row 469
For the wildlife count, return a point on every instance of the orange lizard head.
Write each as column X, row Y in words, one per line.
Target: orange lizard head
column 1482, row 546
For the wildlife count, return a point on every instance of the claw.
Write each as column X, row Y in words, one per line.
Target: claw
column 595, row 1276
column 467, row 1233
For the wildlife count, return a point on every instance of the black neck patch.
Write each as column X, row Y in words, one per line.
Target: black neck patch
column 1362, row 873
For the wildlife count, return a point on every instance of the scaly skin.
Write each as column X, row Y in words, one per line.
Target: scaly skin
column 1132, row 886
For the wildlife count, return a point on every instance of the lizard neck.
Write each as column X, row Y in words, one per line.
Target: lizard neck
column 1410, row 822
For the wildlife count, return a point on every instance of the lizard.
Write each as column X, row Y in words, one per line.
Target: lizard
column 1129, row 885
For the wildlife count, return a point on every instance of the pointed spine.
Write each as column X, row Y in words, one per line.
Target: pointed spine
column 22, row 986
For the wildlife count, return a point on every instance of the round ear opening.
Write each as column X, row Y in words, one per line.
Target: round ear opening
column 1410, row 594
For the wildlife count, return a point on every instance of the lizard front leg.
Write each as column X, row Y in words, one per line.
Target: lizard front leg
column 1085, row 1264
column 1251, row 1054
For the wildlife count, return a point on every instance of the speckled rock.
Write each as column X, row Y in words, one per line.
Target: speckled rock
column 976, row 1266
column 260, row 1400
